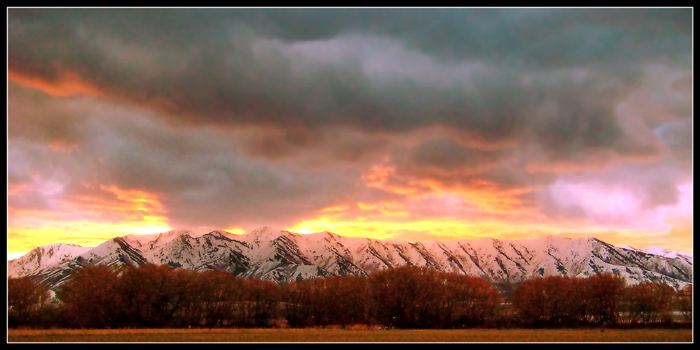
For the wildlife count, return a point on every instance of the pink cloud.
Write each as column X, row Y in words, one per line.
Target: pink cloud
column 619, row 207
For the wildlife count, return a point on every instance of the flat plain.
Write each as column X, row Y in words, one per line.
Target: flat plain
column 350, row 335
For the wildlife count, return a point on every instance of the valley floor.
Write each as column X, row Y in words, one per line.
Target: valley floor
column 350, row 335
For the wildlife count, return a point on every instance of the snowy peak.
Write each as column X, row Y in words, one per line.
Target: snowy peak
column 266, row 233
column 281, row 256
column 667, row 253
column 116, row 251
column 42, row 257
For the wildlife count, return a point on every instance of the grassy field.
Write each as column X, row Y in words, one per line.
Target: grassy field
column 347, row 335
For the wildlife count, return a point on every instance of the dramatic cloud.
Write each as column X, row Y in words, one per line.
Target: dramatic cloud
column 199, row 175
column 382, row 122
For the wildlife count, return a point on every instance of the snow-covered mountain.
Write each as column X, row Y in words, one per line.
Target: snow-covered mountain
column 40, row 258
column 282, row 256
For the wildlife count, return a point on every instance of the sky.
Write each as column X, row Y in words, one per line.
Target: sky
column 413, row 124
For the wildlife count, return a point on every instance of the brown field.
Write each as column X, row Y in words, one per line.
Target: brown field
column 350, row 335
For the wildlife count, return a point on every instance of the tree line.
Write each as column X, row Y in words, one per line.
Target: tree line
column 405, row 297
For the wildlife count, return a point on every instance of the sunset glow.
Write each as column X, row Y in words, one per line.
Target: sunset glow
column 85, row 219
column 443, row 124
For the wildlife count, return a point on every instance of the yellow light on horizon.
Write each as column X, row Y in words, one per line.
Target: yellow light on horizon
column 87, row 220
column 235, row 230
column 83, row 233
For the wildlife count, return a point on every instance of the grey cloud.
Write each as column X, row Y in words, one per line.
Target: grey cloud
column 536, row 37
column 208, row 66
column 40, row 117
column 678, row 136
column 210, row 181
column 448, row 155
column 200, row 177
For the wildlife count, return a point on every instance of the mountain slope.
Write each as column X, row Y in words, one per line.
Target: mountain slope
column 41, row 258
column 283, row 256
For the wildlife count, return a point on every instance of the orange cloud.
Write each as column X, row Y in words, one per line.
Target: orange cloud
column 382, row 176
column 61, row 146
column 68, row 84
column 485, row 194
column 562, row 167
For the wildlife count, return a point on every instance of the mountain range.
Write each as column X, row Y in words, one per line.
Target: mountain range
column 283, row 256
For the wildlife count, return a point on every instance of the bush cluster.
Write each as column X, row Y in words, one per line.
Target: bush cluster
column 406, row 297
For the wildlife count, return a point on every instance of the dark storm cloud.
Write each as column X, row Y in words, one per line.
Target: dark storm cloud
column 446, row 154
column 484, row 71
column 538, row 37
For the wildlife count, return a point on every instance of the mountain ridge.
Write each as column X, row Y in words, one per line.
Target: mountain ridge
column 282, row 256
